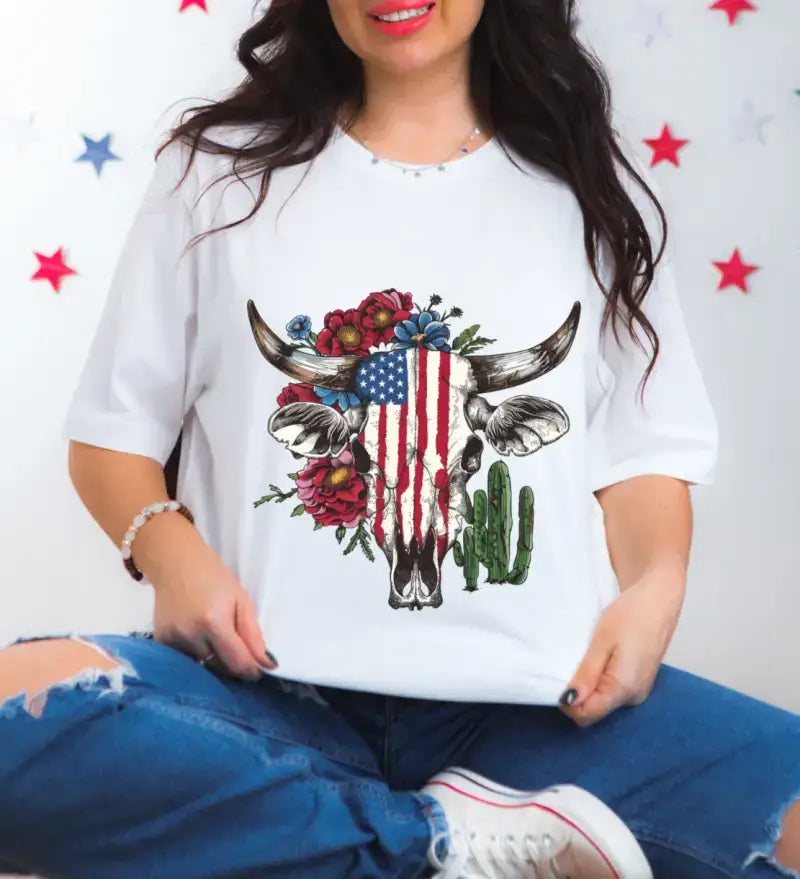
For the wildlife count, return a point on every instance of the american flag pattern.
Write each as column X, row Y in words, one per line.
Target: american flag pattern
column 415, row 430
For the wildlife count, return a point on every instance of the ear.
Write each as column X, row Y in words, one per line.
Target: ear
column 310, row 429
column 355, row 418
column 521, row 425
column 361, row 458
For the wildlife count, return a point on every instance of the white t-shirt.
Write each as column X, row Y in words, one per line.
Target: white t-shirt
column 340, row 435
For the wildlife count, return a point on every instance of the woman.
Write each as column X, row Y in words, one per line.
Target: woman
column 405, row 346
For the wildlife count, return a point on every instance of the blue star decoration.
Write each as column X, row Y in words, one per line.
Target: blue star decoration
column 97, row 152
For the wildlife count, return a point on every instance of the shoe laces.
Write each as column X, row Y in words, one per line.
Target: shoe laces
column 495, row 856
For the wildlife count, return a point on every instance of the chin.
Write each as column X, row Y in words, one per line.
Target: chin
column 407, row 58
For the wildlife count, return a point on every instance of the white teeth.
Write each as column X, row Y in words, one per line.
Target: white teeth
column 404, row 14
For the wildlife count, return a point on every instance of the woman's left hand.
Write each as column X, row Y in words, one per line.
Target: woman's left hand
column 628, row 644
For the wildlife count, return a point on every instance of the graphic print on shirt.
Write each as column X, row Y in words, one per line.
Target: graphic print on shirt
column 384, row 413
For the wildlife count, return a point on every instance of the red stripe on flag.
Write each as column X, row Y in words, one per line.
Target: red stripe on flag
column 402, row 465
column 380, row 482
column 442, row 446
column 422, row 440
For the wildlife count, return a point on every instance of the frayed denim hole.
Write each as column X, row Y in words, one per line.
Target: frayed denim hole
column 766, row 850
column 104, row 681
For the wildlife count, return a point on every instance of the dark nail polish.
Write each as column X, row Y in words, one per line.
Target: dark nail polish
column 568, row 696
column 271, row 658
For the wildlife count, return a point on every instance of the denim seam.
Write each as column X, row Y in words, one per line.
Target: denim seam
column 214, row 723
column 376, row 790
column 382, row 794
column 343, row 756
column 648, row 834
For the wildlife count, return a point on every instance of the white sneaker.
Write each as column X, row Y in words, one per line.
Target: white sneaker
column 560, row 832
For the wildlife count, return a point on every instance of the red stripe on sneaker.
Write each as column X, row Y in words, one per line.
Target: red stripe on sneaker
column 552, row 811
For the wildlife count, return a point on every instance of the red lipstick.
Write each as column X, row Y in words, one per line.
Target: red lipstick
column 404, row 26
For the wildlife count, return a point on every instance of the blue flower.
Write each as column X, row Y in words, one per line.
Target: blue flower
column 344, row 399
column 299, row 327
column 423, row 330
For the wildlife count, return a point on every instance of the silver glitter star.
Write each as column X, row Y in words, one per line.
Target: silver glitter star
column 749, row 125
column 648, row 21
column 18, row 132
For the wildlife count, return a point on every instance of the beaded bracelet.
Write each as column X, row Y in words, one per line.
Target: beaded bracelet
column 147, row 513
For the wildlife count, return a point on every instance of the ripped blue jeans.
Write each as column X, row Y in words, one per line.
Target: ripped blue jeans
column 162, row 769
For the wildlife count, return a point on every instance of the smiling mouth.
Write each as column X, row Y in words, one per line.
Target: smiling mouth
column 404, row 14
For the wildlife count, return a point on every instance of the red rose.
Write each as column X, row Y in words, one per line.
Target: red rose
column 332, row 491
column 381, row 311
column 297, row 392
column 346, row 333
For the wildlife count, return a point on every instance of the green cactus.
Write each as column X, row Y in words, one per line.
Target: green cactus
column 522, row 559
column 471, row 560
column 487, row 540
column 479, row 522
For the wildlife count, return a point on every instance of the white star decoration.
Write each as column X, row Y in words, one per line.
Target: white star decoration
column 749, row 125
column 648, row 21
column 19, row 132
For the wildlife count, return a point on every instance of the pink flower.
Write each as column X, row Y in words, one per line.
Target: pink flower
column 332, row 491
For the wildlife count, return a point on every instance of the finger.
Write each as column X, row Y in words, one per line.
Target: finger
column 611, row 691
column 195, row 648
column 249, row 631
column 232, row 651
column 607, row 697
column 588, row 674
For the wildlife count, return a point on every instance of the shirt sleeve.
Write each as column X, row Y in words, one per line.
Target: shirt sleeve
column 672, row 431
column 132, row 394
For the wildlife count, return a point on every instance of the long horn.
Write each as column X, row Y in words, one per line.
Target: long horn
column 497, row 372
column 334, row 373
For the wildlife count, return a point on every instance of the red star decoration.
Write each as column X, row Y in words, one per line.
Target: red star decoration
column 734, row 272
column 733, row 8
column 185, row 4
column 53, row 269
column 665, row 147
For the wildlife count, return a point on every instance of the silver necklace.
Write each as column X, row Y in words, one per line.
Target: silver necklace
column 416, row 170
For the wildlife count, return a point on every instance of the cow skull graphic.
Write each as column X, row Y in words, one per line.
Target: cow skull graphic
column 414, row 435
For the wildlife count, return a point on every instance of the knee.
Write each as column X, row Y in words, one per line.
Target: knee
column 32, row 667
column 787, row 853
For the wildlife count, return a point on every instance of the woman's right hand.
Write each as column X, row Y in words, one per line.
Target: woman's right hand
column 201, row 608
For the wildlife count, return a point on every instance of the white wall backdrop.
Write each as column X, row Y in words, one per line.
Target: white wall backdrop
column 94, row 68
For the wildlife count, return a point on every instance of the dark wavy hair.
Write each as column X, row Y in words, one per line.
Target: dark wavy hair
column 536, row 88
